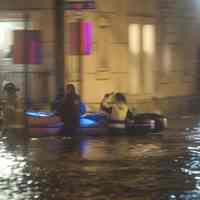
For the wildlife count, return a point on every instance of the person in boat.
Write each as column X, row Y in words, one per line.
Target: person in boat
column 57, row 102
column 119, row 112
column 70, row 110
column 106, row 103
column 82, row 108
column 116, row 108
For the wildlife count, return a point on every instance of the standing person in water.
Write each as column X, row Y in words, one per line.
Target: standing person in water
column 70, row 112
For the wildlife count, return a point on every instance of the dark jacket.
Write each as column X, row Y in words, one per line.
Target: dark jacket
column 57, row 102
column 70, row 111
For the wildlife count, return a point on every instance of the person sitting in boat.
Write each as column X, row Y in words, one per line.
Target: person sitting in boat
column 70, row 110
column 57, row 102
column 119, row 112
column 106, row 103
column 82, row 108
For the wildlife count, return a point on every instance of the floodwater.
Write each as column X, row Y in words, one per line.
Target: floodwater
column 164, row 166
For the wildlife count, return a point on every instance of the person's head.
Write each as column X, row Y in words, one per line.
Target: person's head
column 10, row 88
column 70, row 89
column 106, row 95
column 120, row 98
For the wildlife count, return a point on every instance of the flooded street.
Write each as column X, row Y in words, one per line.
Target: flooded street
column 164, row 166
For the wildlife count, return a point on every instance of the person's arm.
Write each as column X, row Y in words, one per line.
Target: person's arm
column 105, row 103
column 108, row 101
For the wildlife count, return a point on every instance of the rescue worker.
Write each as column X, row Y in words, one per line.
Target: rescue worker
column 13, row 110
column 70, row 110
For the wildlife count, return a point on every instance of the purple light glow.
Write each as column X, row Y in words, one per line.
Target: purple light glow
column 80, row 38
column 86, row 42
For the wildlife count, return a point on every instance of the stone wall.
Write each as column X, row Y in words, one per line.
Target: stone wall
column 173, row 77
column 178, row 45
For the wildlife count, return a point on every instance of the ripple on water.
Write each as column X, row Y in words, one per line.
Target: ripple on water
column 123, row 168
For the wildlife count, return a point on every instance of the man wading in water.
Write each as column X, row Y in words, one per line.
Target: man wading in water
column 70, row 111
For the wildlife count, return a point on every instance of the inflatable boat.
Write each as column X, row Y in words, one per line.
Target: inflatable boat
column 47, row 123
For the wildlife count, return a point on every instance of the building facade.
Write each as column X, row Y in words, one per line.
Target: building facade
column 147, row 49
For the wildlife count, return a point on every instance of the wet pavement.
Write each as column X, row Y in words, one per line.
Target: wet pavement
column 164, row 166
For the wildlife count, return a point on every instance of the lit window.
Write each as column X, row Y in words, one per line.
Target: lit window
column 134, row 38
column 141, row 61
column 148, row 39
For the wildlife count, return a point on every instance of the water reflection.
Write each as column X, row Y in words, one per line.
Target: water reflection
column 118, row 149
column 191, row 166
column 150, row 167
column 13, row 175
column 81, row 168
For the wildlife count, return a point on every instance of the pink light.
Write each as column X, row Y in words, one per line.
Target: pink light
column 80, row 38
column 86, row 39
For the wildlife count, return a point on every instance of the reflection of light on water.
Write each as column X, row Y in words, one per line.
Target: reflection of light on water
column 172, row 197
column 195, row 151
column 145, row 149
column 195, row 195
column 198, row 185
column 11, row 174
column 195, row 130
column 99, row 150
column 192, row 166
column 93, row 150
column 16, row 182
column 10, row 165
column 194, row 148
column 6, row 167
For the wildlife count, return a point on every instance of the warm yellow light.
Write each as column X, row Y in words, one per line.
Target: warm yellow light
column 6, row 34
column 167, row 60
column 134, row 38
column 148, row 39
